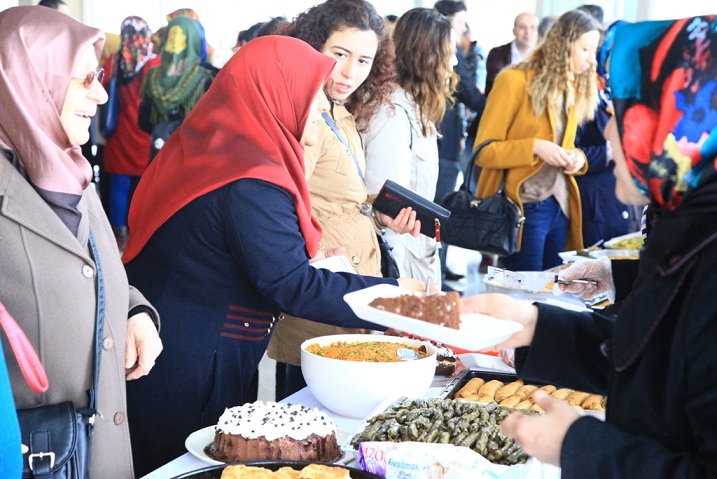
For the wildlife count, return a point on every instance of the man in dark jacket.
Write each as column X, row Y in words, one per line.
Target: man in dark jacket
column 525, row 30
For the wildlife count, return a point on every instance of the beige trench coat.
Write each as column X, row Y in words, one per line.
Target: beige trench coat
column 47, row 283
column 337, row 193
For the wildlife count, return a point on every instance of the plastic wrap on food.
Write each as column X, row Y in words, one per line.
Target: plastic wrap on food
column 372, row 456
column 414, row 460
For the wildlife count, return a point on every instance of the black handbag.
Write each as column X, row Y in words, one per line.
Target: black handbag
column 489, row 225
column 160, row 134
column 58, row 436
column 389, row 266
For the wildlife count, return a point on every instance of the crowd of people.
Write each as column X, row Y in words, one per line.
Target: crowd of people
column 221, row 186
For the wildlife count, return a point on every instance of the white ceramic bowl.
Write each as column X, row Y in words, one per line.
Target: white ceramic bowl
column 354, row 389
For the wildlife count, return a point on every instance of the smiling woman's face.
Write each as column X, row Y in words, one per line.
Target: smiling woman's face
column 81, row 103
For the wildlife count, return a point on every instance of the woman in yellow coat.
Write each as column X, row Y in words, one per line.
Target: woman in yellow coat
column 532, row 114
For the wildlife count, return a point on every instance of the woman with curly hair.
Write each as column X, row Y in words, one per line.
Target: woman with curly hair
column 531, row 116
column 352, row 33
column 401, row 139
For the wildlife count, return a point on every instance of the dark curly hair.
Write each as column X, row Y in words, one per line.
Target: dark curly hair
column 317, row 24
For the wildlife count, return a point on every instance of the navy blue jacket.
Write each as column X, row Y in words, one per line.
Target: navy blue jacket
column 604, row 217
column 220, row 271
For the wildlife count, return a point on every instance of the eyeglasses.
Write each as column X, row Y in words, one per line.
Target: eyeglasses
column 90, row 77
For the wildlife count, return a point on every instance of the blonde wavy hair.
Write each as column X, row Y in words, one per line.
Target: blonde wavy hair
column 552, row 62
column 424, row 49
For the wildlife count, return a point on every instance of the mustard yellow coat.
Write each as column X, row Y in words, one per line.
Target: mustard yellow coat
column 509, row 119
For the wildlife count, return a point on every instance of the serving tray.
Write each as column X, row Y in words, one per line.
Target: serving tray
column 215, row 472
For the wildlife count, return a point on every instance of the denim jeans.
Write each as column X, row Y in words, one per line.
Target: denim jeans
column 544, row 233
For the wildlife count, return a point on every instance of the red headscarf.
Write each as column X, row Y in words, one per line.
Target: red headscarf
column 247, row 125
column 39, row 50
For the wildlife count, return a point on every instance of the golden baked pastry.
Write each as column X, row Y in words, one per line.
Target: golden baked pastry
column 487, row 391
column 312, row 471
column 246, row 472
column 576, row 398
column 471, row 387
column 319, row 471
column 549, row 388
column 526, row 391
column 508, row 390
column 561, row 393
column 286, row 473
column 510, row 401
column 594, row 402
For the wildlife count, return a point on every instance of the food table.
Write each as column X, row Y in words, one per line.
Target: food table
column 344, row 427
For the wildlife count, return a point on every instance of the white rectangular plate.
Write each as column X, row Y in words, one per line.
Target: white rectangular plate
column 477, row 331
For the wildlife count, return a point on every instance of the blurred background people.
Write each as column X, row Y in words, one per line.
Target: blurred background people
column 221, row 234
column 245, row 36
column 604, row 216
column 532, row 113
column 55, row 234
column 125, row 155
column 171, row 90
column 525, row 31
column 401, row 139
column 453, row 124
column 207, row 51
column 275, row 26
column 58, row 5
column 390, row 23
column 544, row 25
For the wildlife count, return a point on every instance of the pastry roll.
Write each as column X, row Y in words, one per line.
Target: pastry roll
column 593, row 403
column 549, row 388
column 471, row 387
column 487, row 391
column 511, row 401
column 524, row 404
column 526, row 391
column 576, row 398
column 561, row 393
column 508, row 390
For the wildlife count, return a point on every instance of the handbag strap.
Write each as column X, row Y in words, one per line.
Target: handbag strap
column 99, row 332
column 329, row 121
column 30, row 365
column 468, row 174
column 25, row 354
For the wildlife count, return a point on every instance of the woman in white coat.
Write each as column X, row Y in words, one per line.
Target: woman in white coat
column 401, row 139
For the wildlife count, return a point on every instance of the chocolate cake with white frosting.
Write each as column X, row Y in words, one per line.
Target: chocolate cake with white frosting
column 272, row 431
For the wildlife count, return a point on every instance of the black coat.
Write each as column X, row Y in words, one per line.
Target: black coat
column 657, row 361
column 453, row 124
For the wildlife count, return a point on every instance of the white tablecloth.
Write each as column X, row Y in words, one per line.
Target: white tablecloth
column 344, row 427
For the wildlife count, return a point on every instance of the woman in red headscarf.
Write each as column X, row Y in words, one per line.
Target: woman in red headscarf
column 221, row 234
